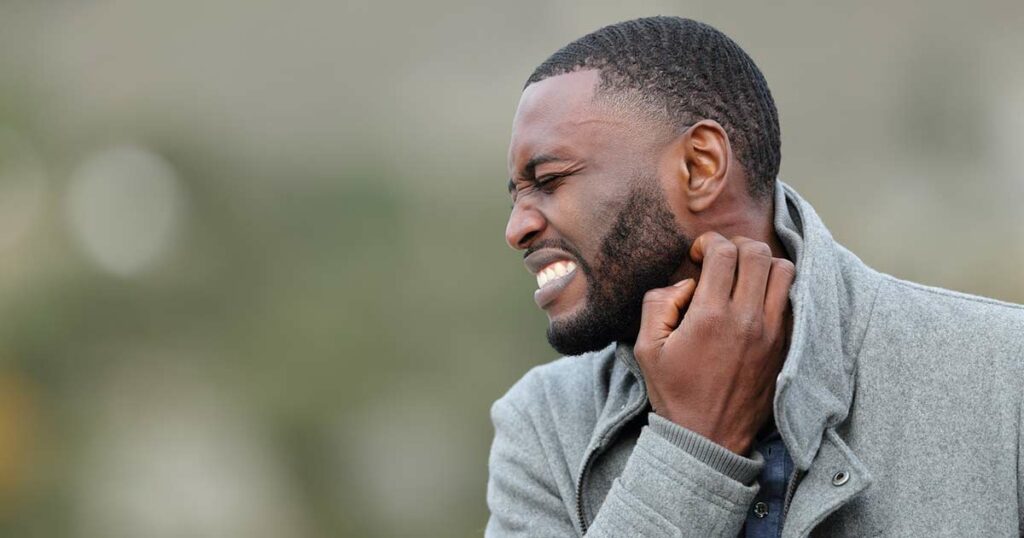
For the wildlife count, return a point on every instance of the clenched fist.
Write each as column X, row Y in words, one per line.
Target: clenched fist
column 713, row 369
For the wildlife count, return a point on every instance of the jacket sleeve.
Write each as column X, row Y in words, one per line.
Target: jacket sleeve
column 675, row 483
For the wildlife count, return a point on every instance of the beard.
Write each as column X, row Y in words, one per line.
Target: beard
column 641, row 251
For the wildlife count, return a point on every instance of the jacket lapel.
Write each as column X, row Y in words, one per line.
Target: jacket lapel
column 832, row 298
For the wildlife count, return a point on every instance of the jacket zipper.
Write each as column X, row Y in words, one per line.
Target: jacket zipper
column 579, row 489
column 790, row 490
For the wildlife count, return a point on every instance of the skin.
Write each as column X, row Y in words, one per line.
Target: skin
column 592, row 149
column 710, row 346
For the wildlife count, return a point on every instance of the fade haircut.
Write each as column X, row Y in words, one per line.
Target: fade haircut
column 684, row 71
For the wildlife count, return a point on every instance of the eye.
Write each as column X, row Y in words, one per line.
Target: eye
column 549, row 183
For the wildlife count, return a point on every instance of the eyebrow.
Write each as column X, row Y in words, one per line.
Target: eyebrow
column 532, row 165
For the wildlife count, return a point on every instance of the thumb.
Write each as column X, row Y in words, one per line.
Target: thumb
column 662, row 311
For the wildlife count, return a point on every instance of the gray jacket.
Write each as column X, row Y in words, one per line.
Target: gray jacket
column 901, row 406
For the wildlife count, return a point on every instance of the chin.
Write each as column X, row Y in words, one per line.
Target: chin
column 574, row 336
column 591, row 326
column 559, row 315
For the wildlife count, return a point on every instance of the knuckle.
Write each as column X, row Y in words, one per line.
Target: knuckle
column 642, row 350
column 723, row 249
column 710, row 320
column 740, row 239
column 655, row 295
column 755, row 249
column 658, row 298
column 706, row 243
column 783, row 265
column 710, row 238
column 749, row 325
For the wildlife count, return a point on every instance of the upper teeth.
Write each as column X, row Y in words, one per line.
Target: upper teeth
column 554, row 271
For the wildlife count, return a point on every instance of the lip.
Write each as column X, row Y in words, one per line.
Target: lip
column 539, row 260
column 544, row 257
column 547, row 295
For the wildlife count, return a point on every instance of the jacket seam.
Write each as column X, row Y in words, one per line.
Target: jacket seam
column 867, row 326
column 638, row 506
column 952, row 294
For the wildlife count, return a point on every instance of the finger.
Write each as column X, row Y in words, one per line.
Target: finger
column 717, row 256
column 754, row 264
column 662, row 310
column 776, row 298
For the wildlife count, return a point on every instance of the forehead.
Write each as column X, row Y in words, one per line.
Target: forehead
column 559, row 116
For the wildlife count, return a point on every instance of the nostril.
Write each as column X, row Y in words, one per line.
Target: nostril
column 527, row 238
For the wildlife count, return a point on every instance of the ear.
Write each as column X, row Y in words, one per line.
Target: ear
column 704, row 165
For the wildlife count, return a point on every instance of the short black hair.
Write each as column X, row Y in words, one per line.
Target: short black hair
column 688, row 71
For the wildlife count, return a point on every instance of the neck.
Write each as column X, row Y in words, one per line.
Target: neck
column 754, row 219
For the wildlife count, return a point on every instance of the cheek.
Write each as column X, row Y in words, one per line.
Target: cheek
column 581, row 218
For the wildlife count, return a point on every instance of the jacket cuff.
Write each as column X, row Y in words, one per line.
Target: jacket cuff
column 719, row 458
column 665, row 491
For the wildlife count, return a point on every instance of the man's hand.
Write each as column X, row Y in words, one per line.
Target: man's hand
column 713, row 370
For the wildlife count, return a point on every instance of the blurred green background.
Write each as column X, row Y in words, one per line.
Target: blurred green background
column 253, row 280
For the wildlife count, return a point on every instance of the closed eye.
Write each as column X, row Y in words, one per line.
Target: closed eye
column 550, row 182
column 545, row 184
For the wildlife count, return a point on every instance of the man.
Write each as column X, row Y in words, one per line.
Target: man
column 708, row 393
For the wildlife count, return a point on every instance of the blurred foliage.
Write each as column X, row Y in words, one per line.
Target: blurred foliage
column 315, row 351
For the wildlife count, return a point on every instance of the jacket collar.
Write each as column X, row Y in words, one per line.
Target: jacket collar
column 831, row 298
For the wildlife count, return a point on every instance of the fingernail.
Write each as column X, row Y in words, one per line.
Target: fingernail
column 682, row 283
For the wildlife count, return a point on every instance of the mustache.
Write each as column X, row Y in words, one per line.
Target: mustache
column 563, row 245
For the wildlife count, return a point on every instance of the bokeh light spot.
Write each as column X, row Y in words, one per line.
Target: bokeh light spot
column 124, row 206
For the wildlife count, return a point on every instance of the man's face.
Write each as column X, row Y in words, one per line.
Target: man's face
column 589, row 211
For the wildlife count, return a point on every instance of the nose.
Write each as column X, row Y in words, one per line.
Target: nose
column 524, row 224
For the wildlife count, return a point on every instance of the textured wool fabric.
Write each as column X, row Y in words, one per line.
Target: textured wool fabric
column 900, row 405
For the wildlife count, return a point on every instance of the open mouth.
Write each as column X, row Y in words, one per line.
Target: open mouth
column 555, row 273
column 552, row 280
